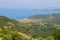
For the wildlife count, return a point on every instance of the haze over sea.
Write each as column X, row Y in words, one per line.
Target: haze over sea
column 24, row 13
column 20, row 9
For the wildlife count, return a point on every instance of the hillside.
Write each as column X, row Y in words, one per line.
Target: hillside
column 44, row 15
column 11, row 29
column 54, row 18
column 41, row 25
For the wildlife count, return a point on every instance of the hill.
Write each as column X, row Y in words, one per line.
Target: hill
column 41, row 25
column 47, row 17
column 11, row 29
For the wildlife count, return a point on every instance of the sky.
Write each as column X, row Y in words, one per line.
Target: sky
column 29, row 3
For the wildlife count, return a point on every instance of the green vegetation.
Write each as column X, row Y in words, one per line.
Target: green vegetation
column 11, row 29
column 53, row 18
column 8, row 29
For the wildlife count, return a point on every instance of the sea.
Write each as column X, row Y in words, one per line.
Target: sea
column 19, row 14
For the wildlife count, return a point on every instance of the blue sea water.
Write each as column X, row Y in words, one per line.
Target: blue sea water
column 24, row 13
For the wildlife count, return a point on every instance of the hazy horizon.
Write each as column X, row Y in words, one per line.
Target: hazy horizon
column 29, row 3
column 24, row 8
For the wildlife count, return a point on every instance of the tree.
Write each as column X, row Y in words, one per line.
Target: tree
column 50, row 38
column 40, row 38
column 57, row 34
